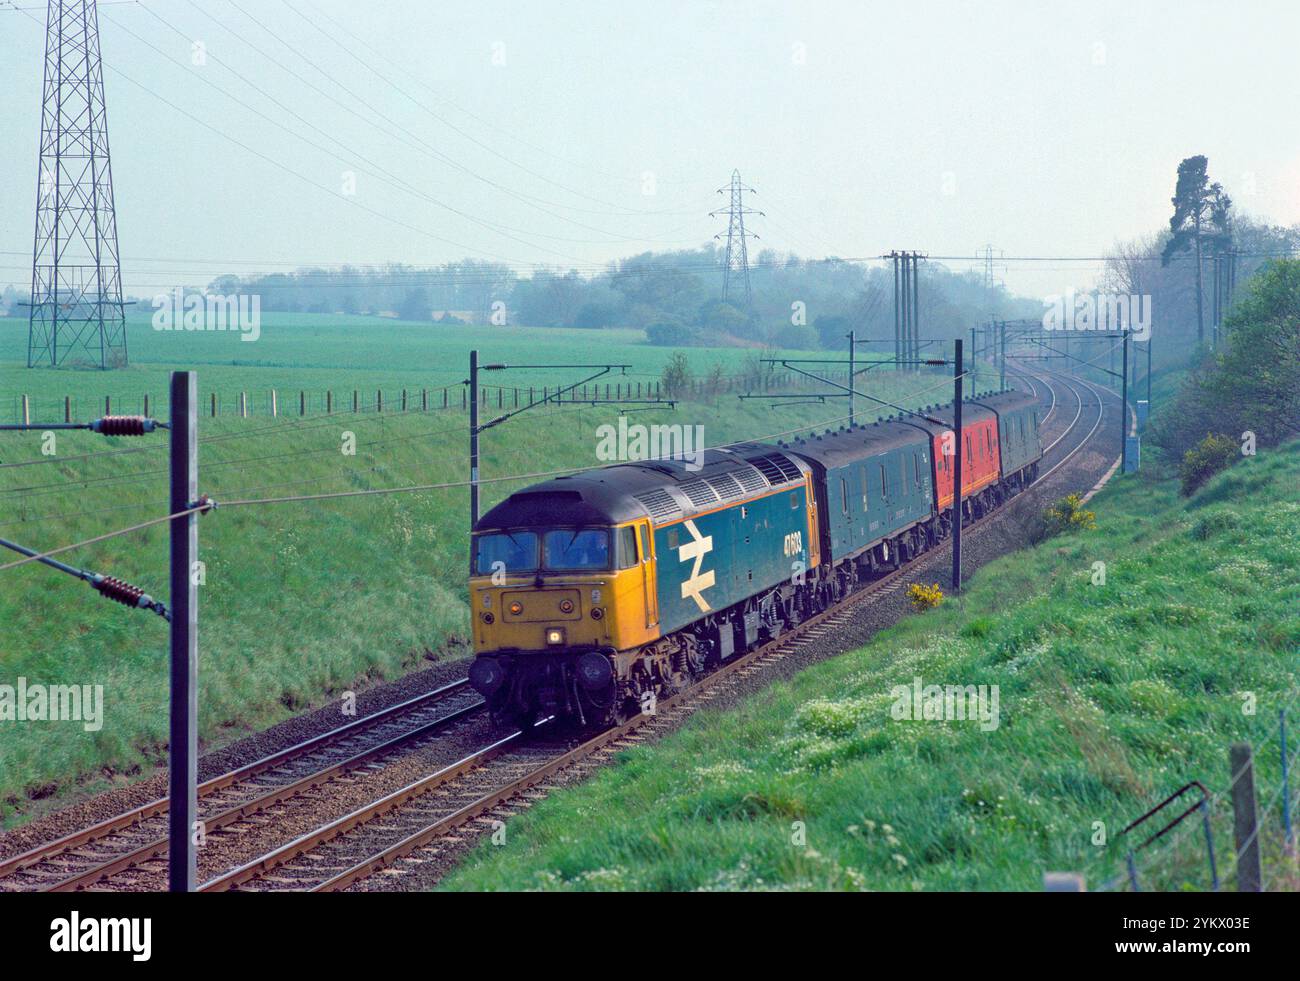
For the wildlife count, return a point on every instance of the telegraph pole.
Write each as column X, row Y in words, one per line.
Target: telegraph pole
column 183, row 747
column 956, row 490
column 898, row 333
column 915, row 353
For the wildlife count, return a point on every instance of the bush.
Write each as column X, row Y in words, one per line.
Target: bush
column 791, row 337
column 677, row 375
column 924, row 597
column 1069, row 514
column 668, row 334
column 1205, row 459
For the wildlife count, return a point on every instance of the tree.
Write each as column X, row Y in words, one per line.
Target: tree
column 1253, row 383
column 1200, row 213
column 833, row 331
column 720, row 320
column 415, row 305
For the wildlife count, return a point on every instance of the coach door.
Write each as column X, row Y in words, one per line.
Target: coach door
column 644, row 540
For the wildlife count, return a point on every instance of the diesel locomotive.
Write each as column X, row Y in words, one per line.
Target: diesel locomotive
column 594, row 593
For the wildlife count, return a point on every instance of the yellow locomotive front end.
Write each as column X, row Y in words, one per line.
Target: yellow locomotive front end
column 553, row 607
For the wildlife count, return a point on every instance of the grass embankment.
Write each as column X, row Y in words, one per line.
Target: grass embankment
column 1111, row 697
column 301, row 601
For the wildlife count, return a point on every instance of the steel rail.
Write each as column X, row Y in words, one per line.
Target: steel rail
column 159, row 807
column 157, row 848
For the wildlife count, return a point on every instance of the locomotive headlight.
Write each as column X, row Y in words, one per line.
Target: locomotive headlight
column 554, row 637
column 516, row 608
column 566, row 606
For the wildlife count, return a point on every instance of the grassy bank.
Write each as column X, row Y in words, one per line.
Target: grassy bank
column 1111, row 697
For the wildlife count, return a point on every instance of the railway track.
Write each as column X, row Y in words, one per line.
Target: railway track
column 134, row 838
column 418, row 821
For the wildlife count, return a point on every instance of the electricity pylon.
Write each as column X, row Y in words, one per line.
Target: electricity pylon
column 737, row 262
column 77, row 316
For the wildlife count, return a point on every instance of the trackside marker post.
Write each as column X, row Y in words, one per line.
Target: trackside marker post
column 183, row 745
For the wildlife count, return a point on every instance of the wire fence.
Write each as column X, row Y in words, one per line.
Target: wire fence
column 30, row 410
column 1239, row 837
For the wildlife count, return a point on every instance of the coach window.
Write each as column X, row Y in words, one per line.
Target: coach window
column 864, row 488
column 844, row 494
column 916, row 467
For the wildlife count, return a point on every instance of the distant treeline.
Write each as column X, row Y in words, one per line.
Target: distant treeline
column 796, row 303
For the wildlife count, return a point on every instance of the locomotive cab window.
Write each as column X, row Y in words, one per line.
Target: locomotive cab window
column 576, row 549
column 627, row 547
column 515, row 550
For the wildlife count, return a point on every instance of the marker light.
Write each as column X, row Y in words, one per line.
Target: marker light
column 566, row 606
column 516, row 608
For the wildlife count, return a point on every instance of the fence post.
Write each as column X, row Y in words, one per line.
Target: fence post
column 1289, row 838
column 1245, row 825
column 1209, row 844
column 463, row 400
column 356, row 400
column 26, row 412
column 146, row 405
column 516, row 405
column 243, row 405
column 379, row 400
column 403, row 400
column 329, row 402
column 214, row 405
column 424, row 400
column 302, row 403
column 275, row 404
column 67, row 408
column 108, row 406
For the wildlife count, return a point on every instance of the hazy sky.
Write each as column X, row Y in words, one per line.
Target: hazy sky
column 1041, row 128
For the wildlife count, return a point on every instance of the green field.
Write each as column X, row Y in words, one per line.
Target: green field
column 302, row 601
column 1111, row 697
